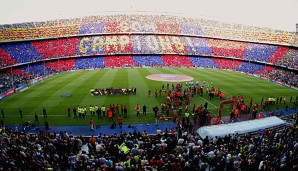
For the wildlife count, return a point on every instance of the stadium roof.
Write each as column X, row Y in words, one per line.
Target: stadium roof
column 276, row 14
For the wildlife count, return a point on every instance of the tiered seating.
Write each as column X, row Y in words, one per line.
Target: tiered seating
column 6, row 78
column 61, row 64
column 56, row 47
column 249, row 67
column 290, row 59
column 195, row 45
column 111, row 61
column 35, row 70
column 283, row 76
column 5, row 59
column 17, row 71
column 141, row 61
column 227, row 63
column 279, row 53
column 124, row 23
column 171, row 60
column 203, row 62
column 227, row 48
column 266, row 70
column 184, row 61
column 148, row 61
column 70, row 46
column 126, row 61
column 191, row 28
column 86, row 63
column 156, row 61
column 21, row 52
column 167, row 28
column 259, row 52
column 89, row 28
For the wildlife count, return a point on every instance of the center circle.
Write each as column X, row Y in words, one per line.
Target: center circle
column 169, row 77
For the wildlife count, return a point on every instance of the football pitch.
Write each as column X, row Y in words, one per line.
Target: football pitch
column 48, row 93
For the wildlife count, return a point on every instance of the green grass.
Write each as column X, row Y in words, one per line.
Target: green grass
column 48, row 93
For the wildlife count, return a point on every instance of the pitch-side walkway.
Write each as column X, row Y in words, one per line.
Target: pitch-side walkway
column 151, row 128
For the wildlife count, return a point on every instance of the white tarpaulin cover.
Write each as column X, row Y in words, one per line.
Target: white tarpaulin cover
column 239, row 127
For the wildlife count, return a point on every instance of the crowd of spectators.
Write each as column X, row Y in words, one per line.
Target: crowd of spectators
column 227, row 63
column 205, row 62
column 36, row 70
column 126, row 61
column 265, row 70
column 5, row 60
column 89, row 63
column 124, row 23
column 290, row 59
column 55, row 48
column 259, row 52
column 61, row 64
column 148, row 60
column 249, row 67
column 227, row 48
column 9, row 80
column 22, row 52
column 176, row 61
column 197, row 46
column 283, row 76
column 175, row 149
column 278, row 54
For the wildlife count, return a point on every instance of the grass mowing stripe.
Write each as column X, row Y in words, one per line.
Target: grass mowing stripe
column 56, row 103
column 136, row 79
column 29, row 99
column 74, row 83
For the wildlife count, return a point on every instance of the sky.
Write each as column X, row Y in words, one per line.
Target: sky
column 276, row 14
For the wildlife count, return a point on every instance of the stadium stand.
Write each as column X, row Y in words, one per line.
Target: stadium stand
column 266, row 69
column 278, row 54
column 227, row 63
column 111, row 61
column 270, row 149
column 126, row 61
column 283, row 77
column 89, row 63
column 259, row 52
column 61, row 64
column 197, row 46
column 173, row 42
column 249, row 67
column 123, row 23
column 227, row 48
column 21, row 52
column 290, row 59
column 203, row 62
column 36, row 70
column 184, row 61
column 5, row 59
column 148, row 60
column 171, row 60
column 55, row 48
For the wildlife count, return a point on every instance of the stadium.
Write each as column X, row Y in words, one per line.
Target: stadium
column 147, row 91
